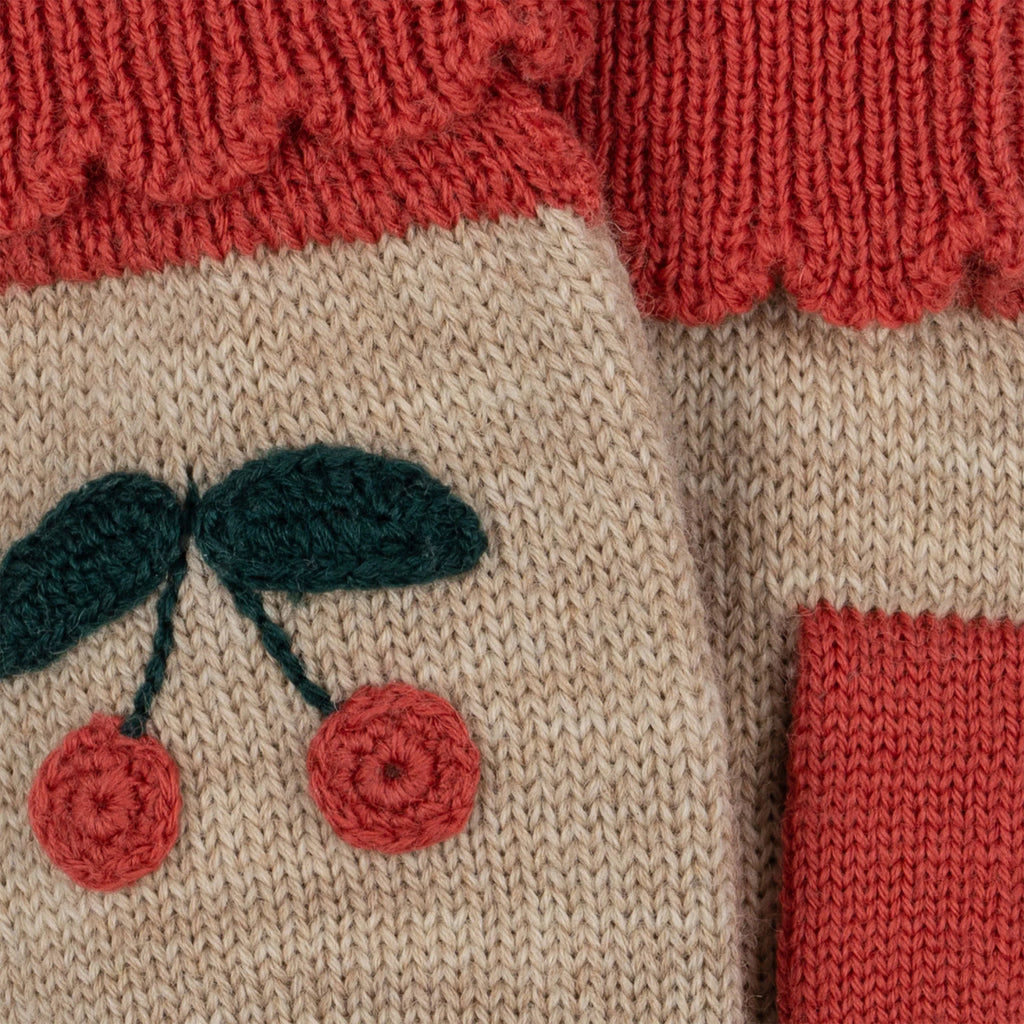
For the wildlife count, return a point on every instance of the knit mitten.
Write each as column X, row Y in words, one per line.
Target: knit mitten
column 880, row 471
column 867, row 159
column 353, row 662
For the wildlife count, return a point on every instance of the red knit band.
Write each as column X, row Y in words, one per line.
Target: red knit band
column 903, row 876
column 867, row 155
column 137, row 132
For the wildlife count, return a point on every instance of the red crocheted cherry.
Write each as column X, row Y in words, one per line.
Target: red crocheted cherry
column 394, row 769
column 104, row 806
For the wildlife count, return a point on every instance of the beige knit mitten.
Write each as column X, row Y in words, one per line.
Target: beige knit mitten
column 881, row 468
column 592, row 881
column 774, row 169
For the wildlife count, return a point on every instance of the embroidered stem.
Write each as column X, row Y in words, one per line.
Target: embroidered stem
column 163, row 639
column 279, row 647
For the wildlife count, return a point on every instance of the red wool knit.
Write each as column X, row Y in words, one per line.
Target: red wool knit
column 394, row 769
column 105, row 807
column 868, row 155
column 903, row 879
column 136, row 134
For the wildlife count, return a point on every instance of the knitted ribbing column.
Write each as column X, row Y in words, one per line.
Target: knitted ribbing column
column 867, row 157
column 259, row 237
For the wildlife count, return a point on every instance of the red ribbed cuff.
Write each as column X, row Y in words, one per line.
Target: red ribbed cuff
column 868, row 156
column 903, row 877
column 139, row 132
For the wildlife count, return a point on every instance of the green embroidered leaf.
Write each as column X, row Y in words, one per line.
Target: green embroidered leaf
column 99, row 552
column 326, row 518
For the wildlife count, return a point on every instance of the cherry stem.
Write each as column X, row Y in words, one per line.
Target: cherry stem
column 279, row 647
column 134, row 724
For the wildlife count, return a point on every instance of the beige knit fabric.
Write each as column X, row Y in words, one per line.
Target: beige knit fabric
column 881, row 468
column 593, row 881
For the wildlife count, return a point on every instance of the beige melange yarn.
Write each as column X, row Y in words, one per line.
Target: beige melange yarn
column 593, row 882
column 884, row 468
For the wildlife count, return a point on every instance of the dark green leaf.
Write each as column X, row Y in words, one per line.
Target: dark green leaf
column 326, row 518
column 98, row 553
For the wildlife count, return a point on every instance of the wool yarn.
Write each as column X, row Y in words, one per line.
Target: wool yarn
column 904, row 822
column 98, row 553
column 327, row 518
column 394, row 769
column 252, row 250
column 868, row 157
column 136, row 135
column 875, row 469
column 594, row 878
column 319, row 518
column 104, row 806
column 153, row 678
column 865, row 158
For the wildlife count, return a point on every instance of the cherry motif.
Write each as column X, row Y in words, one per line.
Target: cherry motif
column 394, row 769
column 104, row 806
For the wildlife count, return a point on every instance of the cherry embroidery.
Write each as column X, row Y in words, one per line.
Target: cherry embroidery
column 393, row 768
column 105, row 806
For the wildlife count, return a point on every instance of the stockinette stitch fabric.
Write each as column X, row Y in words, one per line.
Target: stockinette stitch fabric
column 396, row 626
column 820, row 205
column 402, row 708
column 879, row 469
column 577, row 642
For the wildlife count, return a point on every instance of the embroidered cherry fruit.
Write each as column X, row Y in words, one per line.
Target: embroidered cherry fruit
column 394, row 769
column 105, row 806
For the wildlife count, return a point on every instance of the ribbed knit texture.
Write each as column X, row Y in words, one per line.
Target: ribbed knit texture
column 868, row 156
column 135, row 134
column 903, row 888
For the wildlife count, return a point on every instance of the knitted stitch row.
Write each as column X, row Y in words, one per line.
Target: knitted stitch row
column 133, row 135
column 903, row 882
column 868, row 156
